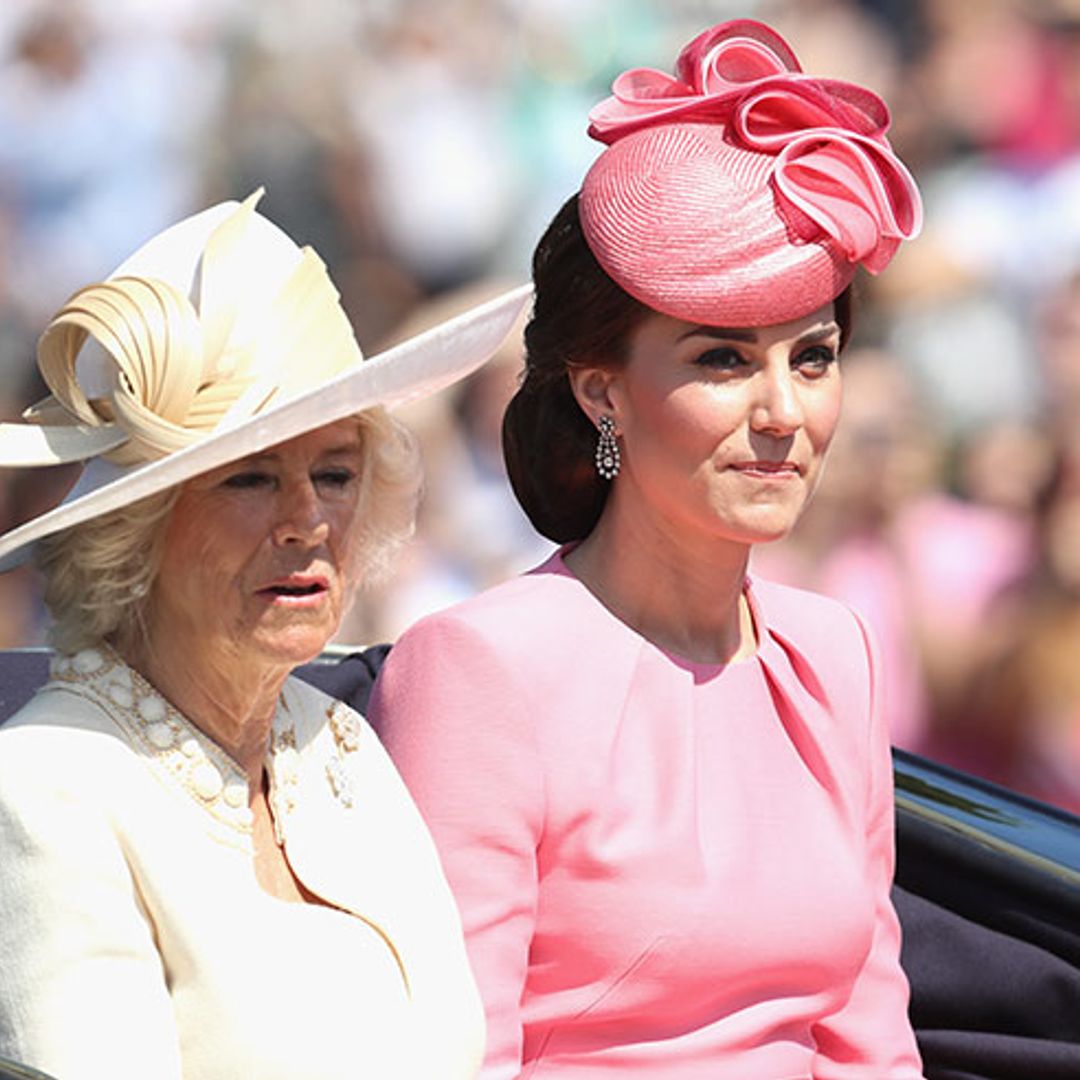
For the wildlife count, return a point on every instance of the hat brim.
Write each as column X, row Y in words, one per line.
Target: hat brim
column 416, row 368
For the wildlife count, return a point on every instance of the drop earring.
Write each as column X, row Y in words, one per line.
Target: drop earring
column 607, row 449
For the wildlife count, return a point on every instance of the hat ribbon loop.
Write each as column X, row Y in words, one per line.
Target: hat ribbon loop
column 176, row 374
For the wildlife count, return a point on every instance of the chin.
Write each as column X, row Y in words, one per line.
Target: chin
column 294, row 646
column 769, row 526
column 764, row 536
column 757, row 528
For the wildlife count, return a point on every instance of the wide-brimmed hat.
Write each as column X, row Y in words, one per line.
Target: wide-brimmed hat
column 741, row 191
column 218, row 338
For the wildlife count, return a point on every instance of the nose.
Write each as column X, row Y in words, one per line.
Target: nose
column 301, row 518
column 778, row 408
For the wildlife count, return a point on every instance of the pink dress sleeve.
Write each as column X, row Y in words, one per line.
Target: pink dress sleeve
column 456, row 727
column 851, row 1038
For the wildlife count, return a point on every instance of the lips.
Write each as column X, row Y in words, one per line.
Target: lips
column 295, row 586
column 768, row 468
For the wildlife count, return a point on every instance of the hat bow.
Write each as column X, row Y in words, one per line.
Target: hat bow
column 834, row 170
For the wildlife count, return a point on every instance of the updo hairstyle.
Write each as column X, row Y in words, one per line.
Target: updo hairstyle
column 580, row 318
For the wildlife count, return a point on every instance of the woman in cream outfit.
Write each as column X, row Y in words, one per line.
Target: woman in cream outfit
column 207, row 867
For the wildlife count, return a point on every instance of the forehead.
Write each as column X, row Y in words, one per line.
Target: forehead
column 341, row 435
column 658, row 327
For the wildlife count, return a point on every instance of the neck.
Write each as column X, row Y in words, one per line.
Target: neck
column 682, row 593
column 229, row 698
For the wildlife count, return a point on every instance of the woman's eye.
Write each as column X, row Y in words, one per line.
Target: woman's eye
column 722, row 359
column 816, row 360
column 247, row 480
column 335, row 478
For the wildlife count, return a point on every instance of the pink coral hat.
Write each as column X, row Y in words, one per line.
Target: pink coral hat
column 742, row 191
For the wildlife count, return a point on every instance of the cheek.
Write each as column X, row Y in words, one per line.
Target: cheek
column 347, row 547
column 204, row 552
column 193, row 548
column 822, row 413
column 349, row 565
column 694, row 418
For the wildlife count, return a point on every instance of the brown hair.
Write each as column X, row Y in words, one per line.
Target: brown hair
column 580, row 318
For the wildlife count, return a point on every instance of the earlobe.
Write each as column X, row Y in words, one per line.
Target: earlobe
column 592, row 389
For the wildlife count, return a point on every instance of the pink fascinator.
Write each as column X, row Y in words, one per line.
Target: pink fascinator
column 741, row 191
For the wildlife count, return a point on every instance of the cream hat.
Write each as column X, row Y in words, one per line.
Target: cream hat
column 218, row 338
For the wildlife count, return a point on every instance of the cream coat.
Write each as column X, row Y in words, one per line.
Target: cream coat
column 135, row 941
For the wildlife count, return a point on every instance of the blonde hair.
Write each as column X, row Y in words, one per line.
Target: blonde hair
column 389, row 492
column 99, row 575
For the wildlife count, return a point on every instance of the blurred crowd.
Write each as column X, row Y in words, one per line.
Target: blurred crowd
column 421, row 145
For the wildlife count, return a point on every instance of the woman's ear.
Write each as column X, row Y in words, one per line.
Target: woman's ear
column 592, row 389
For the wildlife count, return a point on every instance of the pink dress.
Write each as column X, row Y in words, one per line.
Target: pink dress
column 666, row 869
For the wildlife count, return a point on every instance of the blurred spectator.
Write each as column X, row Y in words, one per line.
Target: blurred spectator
column 998, row 137
column 1015, row 716
column 430, row 106
column 1020, row 724
column 95, row 154
column 1058, row 347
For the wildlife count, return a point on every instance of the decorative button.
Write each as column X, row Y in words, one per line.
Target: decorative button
column 236, row 792
column 151, row 709
column 88, row 660
column 122, row 695
column 206, row 780
column 160, row 734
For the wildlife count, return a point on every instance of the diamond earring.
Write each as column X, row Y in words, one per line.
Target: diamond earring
column 607, row 449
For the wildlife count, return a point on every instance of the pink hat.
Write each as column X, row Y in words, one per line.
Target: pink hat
column 743, row 191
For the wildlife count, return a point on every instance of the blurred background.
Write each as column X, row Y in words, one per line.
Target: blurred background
column 421, row 146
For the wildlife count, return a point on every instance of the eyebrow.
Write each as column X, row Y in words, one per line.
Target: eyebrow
column 750, row 335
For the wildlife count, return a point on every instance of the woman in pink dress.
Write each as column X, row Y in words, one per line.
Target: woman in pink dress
column 662, row 790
